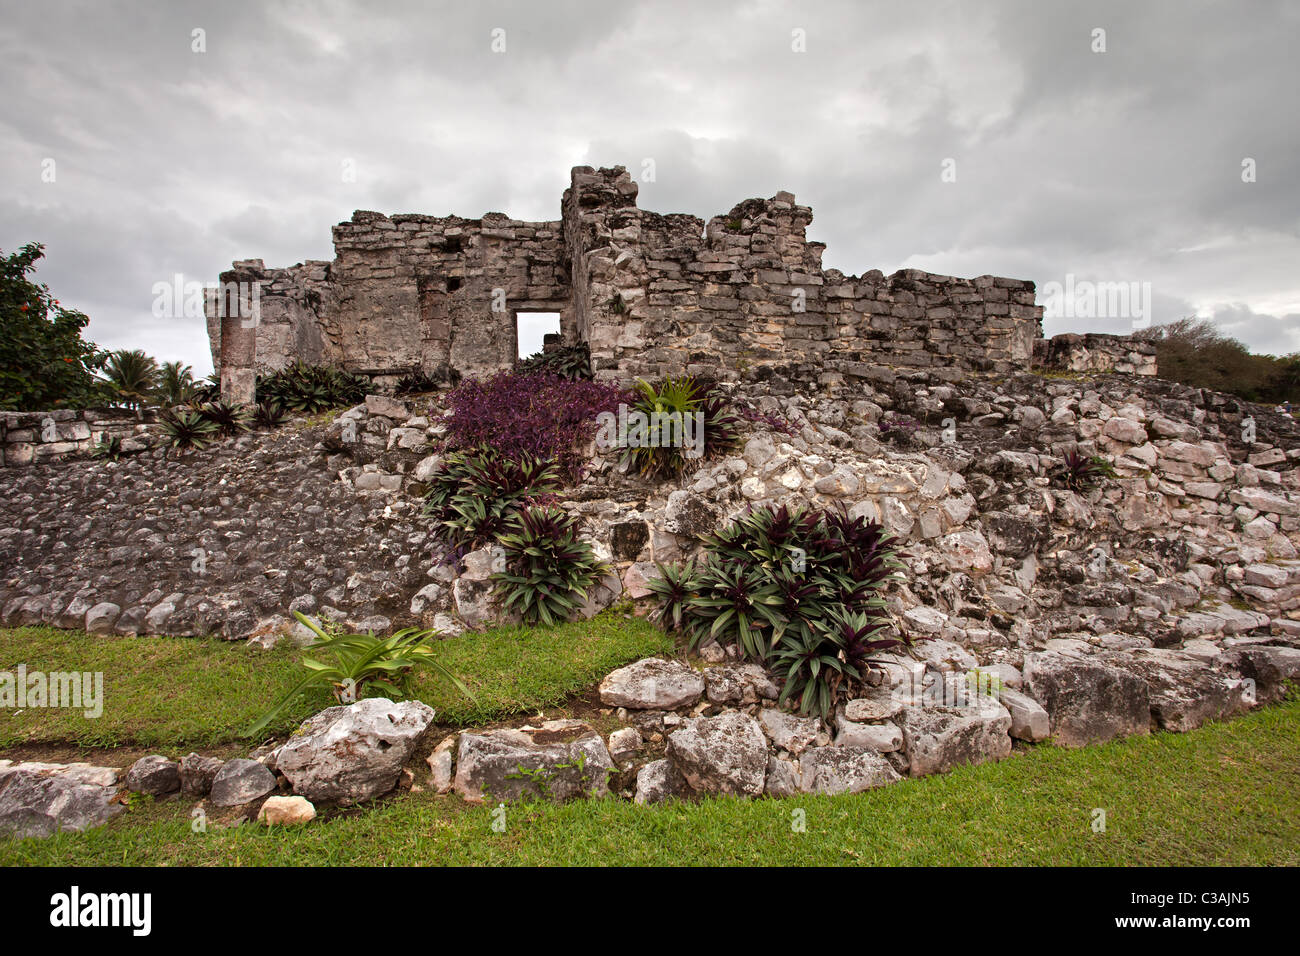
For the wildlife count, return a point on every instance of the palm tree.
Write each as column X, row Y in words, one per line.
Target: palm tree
column 175, row 383
column 132, row 376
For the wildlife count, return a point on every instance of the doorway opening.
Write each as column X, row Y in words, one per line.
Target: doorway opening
column 532, row 329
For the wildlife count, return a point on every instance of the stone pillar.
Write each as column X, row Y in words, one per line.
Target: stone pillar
column 239, row 312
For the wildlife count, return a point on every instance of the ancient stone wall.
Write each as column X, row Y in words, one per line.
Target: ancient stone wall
column 651, row 294
column 38, row 437
column 1095, row 352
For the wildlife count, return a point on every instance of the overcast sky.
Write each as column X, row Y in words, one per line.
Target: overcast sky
column 1117, row 166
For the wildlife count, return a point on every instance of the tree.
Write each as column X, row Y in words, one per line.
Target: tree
column 44, row 361
column 175, row 383
column 132, row 376
column 1194, row 352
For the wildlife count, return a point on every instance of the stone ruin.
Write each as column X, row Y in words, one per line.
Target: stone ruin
column 650, row 294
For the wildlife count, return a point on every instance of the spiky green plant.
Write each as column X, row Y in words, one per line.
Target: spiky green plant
column 361, row 663
column 473, row 495
column 186, row 427
column 230, row 419
column 269, row 415
column 549, row 569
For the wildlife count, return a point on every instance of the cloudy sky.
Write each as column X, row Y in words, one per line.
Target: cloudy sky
column 955, row 137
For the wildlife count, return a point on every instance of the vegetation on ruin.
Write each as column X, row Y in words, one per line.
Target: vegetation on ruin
column 1195, row 352
column 549, row 569
column 537, row 414
column 362, row 665
column 44, row 361
column 310, row 389
column 1080, row 472
column 799, row 590
column 687, row 420
column 473, row 496
column 572, row 362
column 1223, row 795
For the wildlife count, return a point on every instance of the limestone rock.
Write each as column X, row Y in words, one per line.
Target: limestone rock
column 241, row 782
column 1087, row 701
column 348, row 754
column 155, row 775
column 832, row 770
column 561, row 760
column 723, row 754
column 286, row 811
column 652, row 684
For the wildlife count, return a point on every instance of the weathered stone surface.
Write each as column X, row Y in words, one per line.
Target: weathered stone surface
column 196, row 774
column 652, row 684
column 286, row 811
column 876, row 703
column 937, row 738
column 345, row 755
column 1269, row 667
column 441, row 763
column 624, row 744
column 241, row 782
column 1029, row 719
column 39, row 803
column 561, row 760
column 1184, row 693
column 884, row 737
column 789, row 732
column 155, row 775
column 658, row 781
column 1087, row 701
column 832, row 770
column 723, row 754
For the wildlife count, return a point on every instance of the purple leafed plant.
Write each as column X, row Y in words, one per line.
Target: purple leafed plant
column 532, row 413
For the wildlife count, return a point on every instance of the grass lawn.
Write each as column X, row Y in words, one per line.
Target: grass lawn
column 1225, row 794
column 182, row 693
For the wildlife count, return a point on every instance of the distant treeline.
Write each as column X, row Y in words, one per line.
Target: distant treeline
column 1195, row 352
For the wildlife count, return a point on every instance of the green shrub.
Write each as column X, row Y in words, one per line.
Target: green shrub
column 1081, row 473
column 362, row 662
column 675, row 425
column 44, row 361
column 312, row 388
column 571, row 362
column 797, row 589
column 474, row 495
column 548, row 568
column 187, row 428
column 229, row 418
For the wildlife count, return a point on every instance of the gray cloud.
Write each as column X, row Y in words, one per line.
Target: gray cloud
column 1116, row 166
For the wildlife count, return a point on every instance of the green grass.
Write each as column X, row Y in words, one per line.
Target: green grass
column 1225, row 794
column 178, row 693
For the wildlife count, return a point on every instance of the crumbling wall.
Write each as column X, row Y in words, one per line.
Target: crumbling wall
column 651, row 294
column 1095, row 352
column 28, row 438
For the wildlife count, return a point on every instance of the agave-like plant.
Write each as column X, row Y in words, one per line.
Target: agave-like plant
column 312, row 388
column 474, row 495
column 572, row 362
column 363, row 662
column 1079, row 472
column 549, row 569
column 269, row 415
column 229, row 418
column 676, row 587
column 187, row 428
column 108, row 449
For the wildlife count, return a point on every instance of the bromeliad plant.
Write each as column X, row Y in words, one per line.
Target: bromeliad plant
column 1081, row 473
column 362, row 662
column 570, row 362
column 549, row 569
column 675, row 425
column 798, row 589
column 474, row 495
column 187, row 428
column 308, row 389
